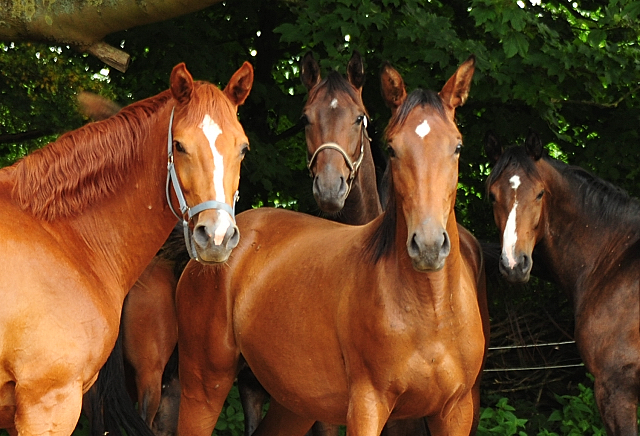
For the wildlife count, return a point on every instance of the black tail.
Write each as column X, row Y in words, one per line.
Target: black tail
column 113, row 411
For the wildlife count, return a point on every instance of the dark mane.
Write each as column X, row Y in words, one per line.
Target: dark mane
column 418, row 97
column 82, row 166
column 384, row 237
column 333, row 84
column 599, row 199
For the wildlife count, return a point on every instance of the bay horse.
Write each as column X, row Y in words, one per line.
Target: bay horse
column 587, row 233
column 94, row 207
column 340, row 162
column 350, row 324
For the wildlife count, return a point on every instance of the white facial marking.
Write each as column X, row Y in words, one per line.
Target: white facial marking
column 510, row 237
column 423, row 129
column 334, row 103
column 212, row 131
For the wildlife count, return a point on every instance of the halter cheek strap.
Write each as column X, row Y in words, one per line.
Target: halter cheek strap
column 353, row 165
column 185, row 210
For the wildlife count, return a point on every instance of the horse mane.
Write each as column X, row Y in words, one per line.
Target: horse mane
column 600, row 200
column 69, row 175
column 383, row 239
column 336, row 83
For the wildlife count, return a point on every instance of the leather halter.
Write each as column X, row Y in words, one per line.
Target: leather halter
column 353, row 165
column 185, row 210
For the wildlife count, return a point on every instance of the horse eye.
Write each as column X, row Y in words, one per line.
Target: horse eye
column 359, row 119
column 305, row 120
column 244, row 150
column 458, row 148
column 539, row 197
column 492, row 198
column 179, row 147
column 392, row 152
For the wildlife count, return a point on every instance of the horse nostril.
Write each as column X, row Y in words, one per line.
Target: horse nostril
column 446, row 245
column 525, row 263
column 200, row 235
column 343, row 187
column 234, row 238
column 414, row 248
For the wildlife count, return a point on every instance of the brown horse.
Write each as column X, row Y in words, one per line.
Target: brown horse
column 80, row 202
column 587, row 233
column 350, row 324
column 341, row 165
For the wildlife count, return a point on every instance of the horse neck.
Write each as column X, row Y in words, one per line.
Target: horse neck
column 431, row 290
column 363, row 203
column 118, row 235
column 577, row 249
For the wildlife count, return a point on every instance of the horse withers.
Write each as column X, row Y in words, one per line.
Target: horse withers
column 94, row 209
column 345, row 324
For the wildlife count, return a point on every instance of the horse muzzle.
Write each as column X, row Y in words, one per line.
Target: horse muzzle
column 429, row 250
column 214, row 241
column 330, row 191
column 518, row 272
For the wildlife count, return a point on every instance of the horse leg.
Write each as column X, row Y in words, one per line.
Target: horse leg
column 253, row 397
column 56, row 412
column 280, row 421
column 403, row 427
column 618, row 403
column 367, row 413
column 149, row 386
column 324, row 429
column 455, row 419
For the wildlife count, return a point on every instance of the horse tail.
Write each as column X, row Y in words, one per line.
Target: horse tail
column 113, row 410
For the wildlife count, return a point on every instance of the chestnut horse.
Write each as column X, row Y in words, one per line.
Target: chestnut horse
column 350, row 324
column 80, row 200
column 587, row 233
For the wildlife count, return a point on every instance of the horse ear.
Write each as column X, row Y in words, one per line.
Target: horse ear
column 393, row 90
column 355, row 70
column 239, row 86
column 533, row 145
column 181, row 84
column 492, row 147
column 456, row 90
column 310, row 71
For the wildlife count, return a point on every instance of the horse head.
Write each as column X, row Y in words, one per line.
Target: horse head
column 207, row 146
column 424, row 145
column 516, row 190
column 335, row 127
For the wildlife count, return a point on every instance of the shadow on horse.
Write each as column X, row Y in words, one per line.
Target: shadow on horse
column 346, row 324
column 93, row 211
column 587, row 233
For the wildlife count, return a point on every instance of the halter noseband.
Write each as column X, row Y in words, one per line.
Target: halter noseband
column 190, row 212
column 353, row 165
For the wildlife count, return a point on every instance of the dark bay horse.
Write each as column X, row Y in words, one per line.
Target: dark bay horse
column 338, row 146
column 587, row 232
column 350, row 324
column 93, row 211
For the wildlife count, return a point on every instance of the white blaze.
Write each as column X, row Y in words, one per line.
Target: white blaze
column 423, row 129
column 211, row 130
column 334, row 103
column 510, row 237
